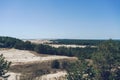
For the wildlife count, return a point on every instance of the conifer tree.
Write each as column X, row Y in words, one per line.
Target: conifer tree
column 4, row 66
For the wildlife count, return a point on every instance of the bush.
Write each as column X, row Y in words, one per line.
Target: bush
column 55, row 64
column 4, row 66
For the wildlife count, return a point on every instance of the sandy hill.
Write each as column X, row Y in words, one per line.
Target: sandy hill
column 21, row 57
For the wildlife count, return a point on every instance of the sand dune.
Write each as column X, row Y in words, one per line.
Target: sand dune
column 55, row 76
column 24, row 56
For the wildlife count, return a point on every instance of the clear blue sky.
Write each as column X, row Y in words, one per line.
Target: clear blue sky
column 81, row 19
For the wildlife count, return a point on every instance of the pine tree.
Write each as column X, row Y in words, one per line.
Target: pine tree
column 4, row 66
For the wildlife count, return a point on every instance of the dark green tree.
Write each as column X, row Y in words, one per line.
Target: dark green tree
column 80, row 70
column 4, row 66
column 55, row 64
column 107, row 59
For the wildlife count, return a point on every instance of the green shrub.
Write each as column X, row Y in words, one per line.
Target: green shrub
column 56, row 64
column 4, row 66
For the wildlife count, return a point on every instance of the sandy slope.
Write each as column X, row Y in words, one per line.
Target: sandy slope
column 55, row 76
column 68, row 46
column 13, row 76
column 24, row 56
column 38, row 41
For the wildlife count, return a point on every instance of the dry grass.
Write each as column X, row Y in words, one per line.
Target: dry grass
column 31, row 71
column 30, row 64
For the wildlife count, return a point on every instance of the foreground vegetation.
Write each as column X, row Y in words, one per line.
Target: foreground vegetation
column 4, row 67
column 105, row 64
column 98, row 63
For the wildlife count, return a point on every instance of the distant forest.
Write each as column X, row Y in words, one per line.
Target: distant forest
column 9, row 42
column 88, row 42
column 83, row 53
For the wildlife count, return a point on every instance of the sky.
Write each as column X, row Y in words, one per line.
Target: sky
column 60, row 19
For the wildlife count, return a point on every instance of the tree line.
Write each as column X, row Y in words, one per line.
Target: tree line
column 88, row 42
column 9, row 42
column 77, row 42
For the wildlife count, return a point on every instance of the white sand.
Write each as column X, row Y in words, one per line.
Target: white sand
column 61, row 75
column 55, row 76
column 37, row 41
column 68, row 46
column 24, row 56
column 13, row 76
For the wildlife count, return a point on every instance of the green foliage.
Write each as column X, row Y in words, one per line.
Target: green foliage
column 45, row 49
column 107, row 59
column 28, row 45
column 105, row 66
column 78, row 42
column 4, row 66
column 117, row 76
column 82, row 53
column 80, row 71
column 55, row 64
column 8, row 42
